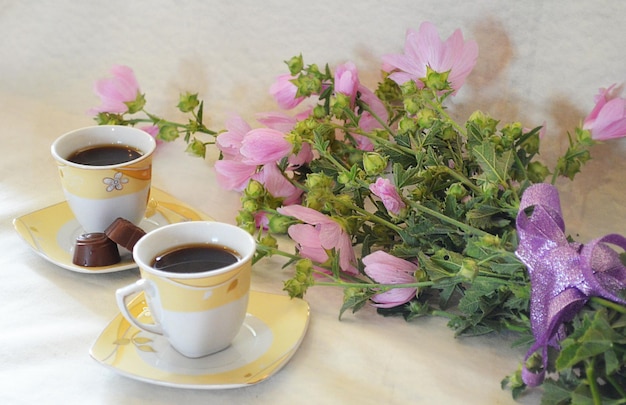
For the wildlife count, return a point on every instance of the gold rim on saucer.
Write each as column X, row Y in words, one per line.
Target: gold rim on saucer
column 52, row 231
column 273, row 330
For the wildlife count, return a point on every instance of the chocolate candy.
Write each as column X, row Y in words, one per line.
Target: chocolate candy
column 95, row 250
column 124, row 233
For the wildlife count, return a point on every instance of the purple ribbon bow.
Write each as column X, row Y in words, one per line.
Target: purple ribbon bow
column 563, row 275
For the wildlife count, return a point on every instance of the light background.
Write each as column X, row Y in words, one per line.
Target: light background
column 539, row 61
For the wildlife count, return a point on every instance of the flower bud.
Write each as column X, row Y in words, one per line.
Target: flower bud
column 319, row 111
column 302, row 280
column 279, row 224
column 374, row 163
column 316, row 181
column 484, row 122
column 411, row 106
column 513, row 130
column 490, row 240
column 188, row 102
column 137, row 104
column 168, row 133
column 295, row 64
column 407, row 124
column 457, row 191
column 254, row 190
column 469, row 269
column 531, row 144
column 435, row 80
column 426, row 118
column 196, row 148
column 537, row 172
column 269, row 241
column 250, row 205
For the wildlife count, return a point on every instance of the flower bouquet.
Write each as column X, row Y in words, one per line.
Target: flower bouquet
column 408, row 209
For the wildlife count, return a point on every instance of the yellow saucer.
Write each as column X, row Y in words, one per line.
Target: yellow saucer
column 273, row 330
column 52, row 231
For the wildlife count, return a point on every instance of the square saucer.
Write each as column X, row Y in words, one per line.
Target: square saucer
column 274, row 327
column 52, row 231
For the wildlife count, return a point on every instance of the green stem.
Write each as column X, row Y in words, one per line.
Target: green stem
column 374, row 285
column 370, row 216
column 384, row 124
column 158, row 120
column 462, row 179
column 593, row 385
column 437, row 107
column 609, row 304
column 445, row 218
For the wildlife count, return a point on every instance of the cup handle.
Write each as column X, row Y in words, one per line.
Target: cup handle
column 122, row 293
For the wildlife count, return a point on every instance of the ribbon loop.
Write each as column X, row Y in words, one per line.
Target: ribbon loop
column 563, row 274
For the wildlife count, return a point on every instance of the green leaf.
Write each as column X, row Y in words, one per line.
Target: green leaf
column 354, row 299
column 593, row 338
column 554, row 394
column 494, row 166
column 486, row 216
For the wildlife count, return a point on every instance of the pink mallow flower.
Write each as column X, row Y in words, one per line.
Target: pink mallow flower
column 425, row 48
column 388, row 194
column 284, row 92
column 385, row 268
column 318, row 235
column 285, row 123
column 264, row 145
column 233, row 174
column 229, row 142
column 347, row 81
column 275, row 182
column 607, row 120
column 115, row 91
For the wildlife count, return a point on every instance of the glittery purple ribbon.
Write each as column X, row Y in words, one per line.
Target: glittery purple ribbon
column 563, row 274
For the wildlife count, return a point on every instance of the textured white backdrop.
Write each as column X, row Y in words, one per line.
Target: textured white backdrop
column 539, row 61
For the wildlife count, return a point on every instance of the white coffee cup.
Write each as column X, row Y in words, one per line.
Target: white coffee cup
column 99, row 194
column 199, row 313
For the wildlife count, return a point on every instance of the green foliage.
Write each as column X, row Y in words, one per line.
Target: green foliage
column 459, row 187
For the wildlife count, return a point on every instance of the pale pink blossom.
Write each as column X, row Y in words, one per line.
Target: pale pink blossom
column 309, row 242
column 264, row 145
column 261, row 220
column 368, row 122
column 607, row 120
column 234, row 174
column 115, row 91
column 284, row 92
column 319, row 235
column 229, row 142
column 305, row 155
column 425, row 48
column 278, row 185
column 347, row 81
column 277, row 120
column 388, row 194
column 385, row 268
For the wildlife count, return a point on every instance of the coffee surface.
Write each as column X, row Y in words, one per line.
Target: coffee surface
column 104, row 155
column 196, row 258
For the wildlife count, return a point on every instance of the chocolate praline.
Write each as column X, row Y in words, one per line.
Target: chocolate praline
column 95, row 250
column 124, row 233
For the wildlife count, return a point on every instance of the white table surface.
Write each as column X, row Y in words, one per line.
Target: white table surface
column 538, row 62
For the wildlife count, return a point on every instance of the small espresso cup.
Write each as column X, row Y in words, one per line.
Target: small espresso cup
column 105, row 173
column 198, row 306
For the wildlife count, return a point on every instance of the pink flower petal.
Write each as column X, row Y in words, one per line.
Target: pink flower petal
column 233, row 175
column 264, row 145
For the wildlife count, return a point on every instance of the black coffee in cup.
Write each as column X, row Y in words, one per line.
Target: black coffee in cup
column 195, row 258
column 104, row 155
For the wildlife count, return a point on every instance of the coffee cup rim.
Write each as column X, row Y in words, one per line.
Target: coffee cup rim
column 147, row 140
column 162, row 233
